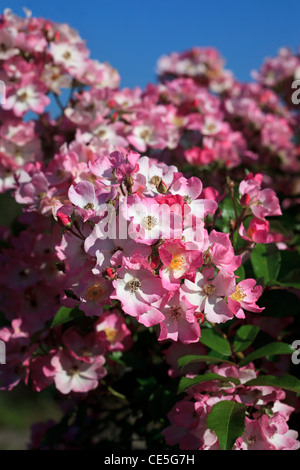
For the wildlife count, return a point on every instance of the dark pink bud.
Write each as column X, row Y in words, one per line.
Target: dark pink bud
column 109, row 274
column 64, row 220
column 200, row 317
column 162, row 188
column 245, row 200
column 155, row 262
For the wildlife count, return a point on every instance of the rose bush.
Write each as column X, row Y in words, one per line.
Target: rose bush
column 157, row 251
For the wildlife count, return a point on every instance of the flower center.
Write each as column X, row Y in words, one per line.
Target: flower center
column 134, row 285
column 55, row 76
column 73, row 371
column 187, row 199
column 95, row 292
column 111, row 333
column 155, row 180
column 175, row 312
column 149, row 222
column 251, row 439
column 60, row 173
column 209, row 289
column 85, row 352
column 178, row 121
column 238, row 295
column 178, row 262
column 18, row 152
column 211, row 127
column 23, row 97
column 101, row 133
column 88, row 206
column 145, row 134
column 67, row 55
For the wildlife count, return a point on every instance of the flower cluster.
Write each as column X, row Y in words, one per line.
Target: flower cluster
column 135, row 236
column 199, row 113
column 262, row 203
column 266, row 416
column 275, row 71
column 240, row 122
column 140, row 210
column 39, row 58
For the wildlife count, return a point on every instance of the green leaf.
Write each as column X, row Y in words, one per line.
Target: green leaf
column 228, row 213
column 215, row 354
column 290, row 262
column 10, row 209
column 183, row 361
column 65, row 315
column 244, row 337
column 117, row 356
column 292, row 279
column 215, row 341
column 159, row 402
column 145, row 382
column 289, row 273
column 134, row 361
column 186, row 382
column 240, row 272
column 266, row 261
column 268, row 350
column 278, row 226
column 227, row 420
column 288, row 382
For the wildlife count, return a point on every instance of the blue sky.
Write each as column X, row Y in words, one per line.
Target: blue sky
column 132, row 34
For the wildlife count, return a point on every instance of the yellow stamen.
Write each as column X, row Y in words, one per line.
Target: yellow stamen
column 178, row 121
column 111, row 333
column 238, row 295
column 178, row 262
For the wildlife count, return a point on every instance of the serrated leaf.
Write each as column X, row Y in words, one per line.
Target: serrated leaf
column 288, row 382
column 215, row 341
column 244, row 337
column 268, row 350
column 266, row 261
column 227, row 420
column 186, row 382
column 183, row 361
column 65, row 315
